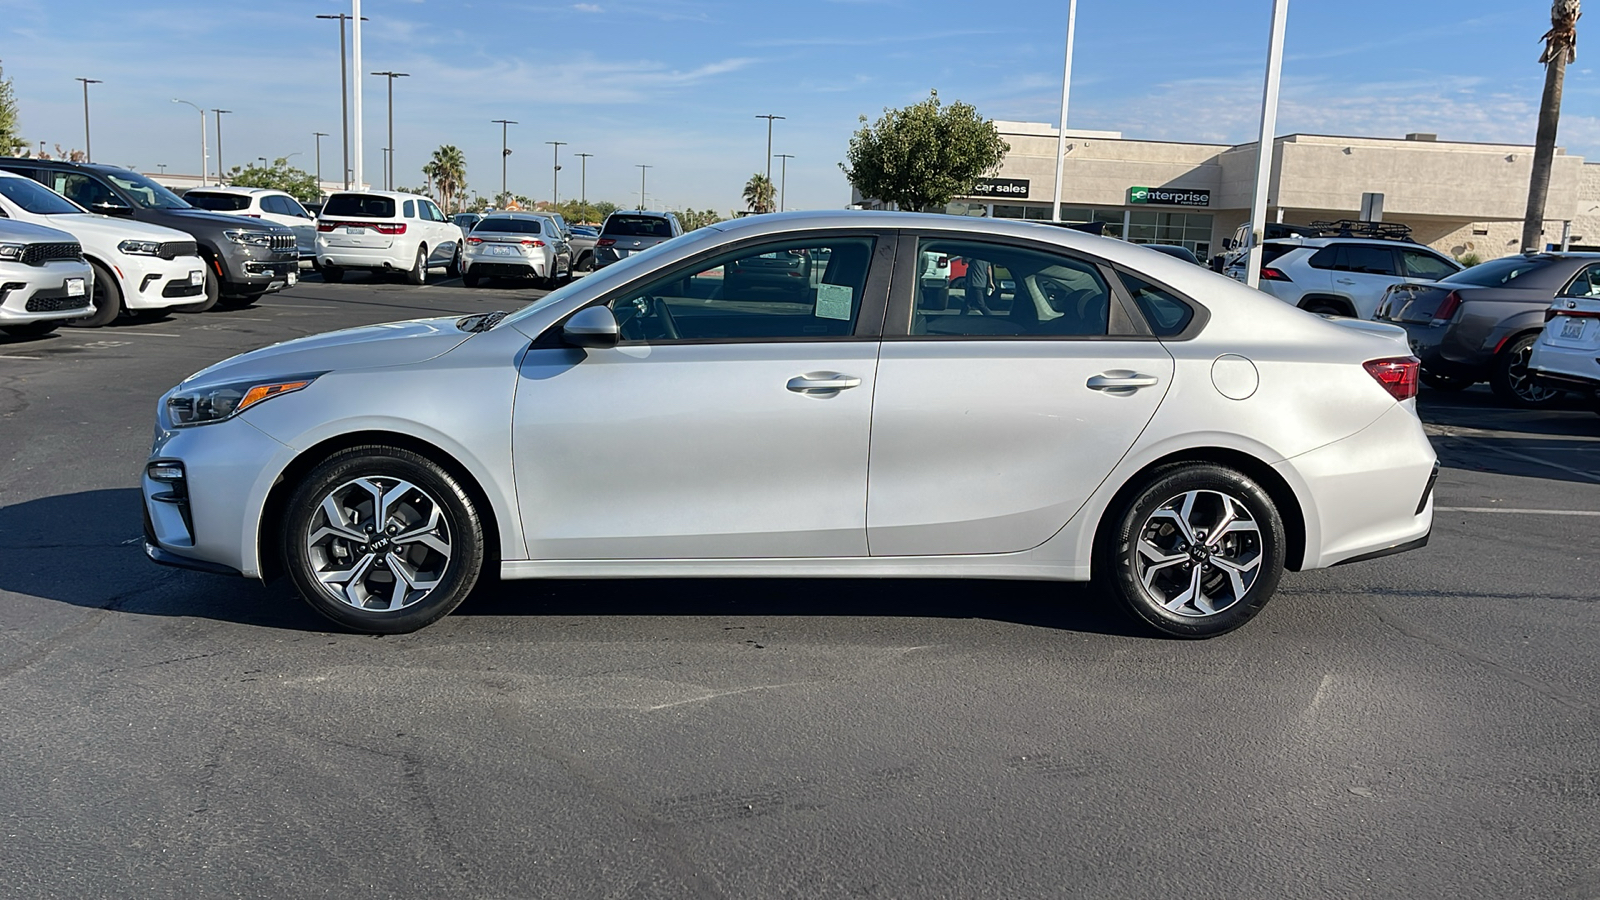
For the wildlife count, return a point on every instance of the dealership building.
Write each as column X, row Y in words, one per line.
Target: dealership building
column 1461, row 198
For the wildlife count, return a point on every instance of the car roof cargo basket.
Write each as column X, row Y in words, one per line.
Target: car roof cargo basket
column 1386, row 231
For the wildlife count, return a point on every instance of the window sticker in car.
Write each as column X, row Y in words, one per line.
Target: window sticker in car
column 834, row 301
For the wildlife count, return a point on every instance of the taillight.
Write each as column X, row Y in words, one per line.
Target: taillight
column 532, row 243
column 388, row 227
column 325, row 226
column 473, row 240
column 1268, row 273
column 1552, row 312
column 605, row 242
column 252, row 215
column 1447, row 308
column 1397, row 374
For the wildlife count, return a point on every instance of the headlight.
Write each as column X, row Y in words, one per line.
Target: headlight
column 12, row 252
column 249, row 238
column 140, row 248
column 214, row 403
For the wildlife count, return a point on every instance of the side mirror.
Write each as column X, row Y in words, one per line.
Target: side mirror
column 592, row 327
column 112, row 209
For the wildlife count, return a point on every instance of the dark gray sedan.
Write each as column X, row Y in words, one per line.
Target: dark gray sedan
column 627, row 233
column 1480, row 324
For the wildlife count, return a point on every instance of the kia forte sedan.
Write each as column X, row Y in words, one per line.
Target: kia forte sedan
column 1118, row 415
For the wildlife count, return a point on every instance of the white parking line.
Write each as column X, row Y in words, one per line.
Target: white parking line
column 1518, row 512
column 22, row 357
column 120, row 332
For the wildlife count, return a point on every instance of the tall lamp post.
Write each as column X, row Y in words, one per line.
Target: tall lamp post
column 583, row 180
column 220, row 113
column 555, row 175
column 1061, row 134
column 318, row 136
column 504, row 151
column 642, row 169
column 88, row 154
column 1264, row 149
column 783, row 178
column 205, row 156
column 344, row 98
column 769, row 119
column 388, row 174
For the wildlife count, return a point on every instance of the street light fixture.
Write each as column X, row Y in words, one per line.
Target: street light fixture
column 642, row 169
column 344, row 96
column 205, row 157
column 504, row 151
column 555, row 183
column 88, row 154
column 783, row 179
column 583, row 180
column 388, row 176
column 769, row 119
column 318, row 136
column 220, row 113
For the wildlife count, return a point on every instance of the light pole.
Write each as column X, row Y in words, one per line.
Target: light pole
column 88, row 154
column 783, row 178
column 318, row 136
column 555, row 183
column 1061, row 134
column 162, row 167
column 220, row 113
column 504, row 151
column 344, row 97
column 642, row 169
column 388, row 175
column 1264, row 149
column 583, row 181
column 205, row 157
column 769, row 119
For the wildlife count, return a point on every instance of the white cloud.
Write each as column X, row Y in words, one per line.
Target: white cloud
column 587, row 7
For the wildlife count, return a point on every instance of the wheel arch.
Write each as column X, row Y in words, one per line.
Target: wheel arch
column 272, row 511
column 1339, row 300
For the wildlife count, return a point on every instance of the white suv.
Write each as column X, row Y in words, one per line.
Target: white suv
column 261, row 203
column 1343, row 276
column 137, row 266
column 385, row 231
column 43, row 279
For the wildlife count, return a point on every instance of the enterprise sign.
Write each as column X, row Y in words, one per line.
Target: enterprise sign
column 1000, row 187
column 1169, row 196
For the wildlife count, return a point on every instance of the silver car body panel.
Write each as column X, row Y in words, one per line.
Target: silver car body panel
column 695, row 459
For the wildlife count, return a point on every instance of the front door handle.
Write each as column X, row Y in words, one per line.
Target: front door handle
column 822, row 384
column 1121, row 382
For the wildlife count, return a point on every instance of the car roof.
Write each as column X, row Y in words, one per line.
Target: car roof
column 394, row 194
column 231, row 189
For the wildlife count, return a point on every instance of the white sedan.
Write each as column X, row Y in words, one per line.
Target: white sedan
column 1114, row 413
column 1567, row 353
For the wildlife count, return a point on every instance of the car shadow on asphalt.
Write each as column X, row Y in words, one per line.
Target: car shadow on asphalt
column 87, row 549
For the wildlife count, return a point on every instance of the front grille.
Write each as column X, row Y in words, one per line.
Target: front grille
column 284, row 242
column 39, row 254
column 56, row 301
column 182, row 289
column 175, row 249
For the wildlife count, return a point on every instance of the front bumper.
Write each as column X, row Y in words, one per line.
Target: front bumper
column 40, row 293
column 149, row 282
column 255, row 269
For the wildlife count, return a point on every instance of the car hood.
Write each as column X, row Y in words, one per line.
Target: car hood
column 371, row 346
column 114, row 229
column 180, row 218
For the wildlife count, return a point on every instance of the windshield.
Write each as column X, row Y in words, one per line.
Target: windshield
column 637, row 226
column 509, row 226
column 144, row 192
column 36, row 198
column 217, row 202
column 1497, row 272
column 616, row 274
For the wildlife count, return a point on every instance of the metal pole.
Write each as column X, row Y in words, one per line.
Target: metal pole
column 555, row 184
column 769, row 119
column 583, row 181
column 1066, row 89
column 319, row 135
column 355, row 117
column 88, row 153
column 205, row 156
column 388, row 166
column 641, row 186
column 783, row 178
column 219, row 113
column 504, row 151
column 344, row 98
column 1269, row 124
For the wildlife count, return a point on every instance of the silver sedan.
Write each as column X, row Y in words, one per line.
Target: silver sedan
column 1093, row 410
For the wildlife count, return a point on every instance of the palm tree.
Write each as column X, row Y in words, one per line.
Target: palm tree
column 758, row 194
column 1560, row 48
column 448, row 169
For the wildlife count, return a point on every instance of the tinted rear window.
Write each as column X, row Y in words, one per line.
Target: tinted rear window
column 638, row 226
column 1497, row 272
column 217, row 202
column 1270, row 252
column 359, row 205
column 509, row 226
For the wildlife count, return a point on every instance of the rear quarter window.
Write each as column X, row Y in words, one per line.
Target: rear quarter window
column 1167, row 314
column 364, row 205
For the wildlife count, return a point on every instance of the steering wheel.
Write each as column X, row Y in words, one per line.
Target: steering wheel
column 663, row 317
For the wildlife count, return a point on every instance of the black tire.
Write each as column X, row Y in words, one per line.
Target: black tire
column 460, row 528
column 454, row 269
column 586, row 262
column 332, row 274
column 31, row 329
column 418, row 273
column 1511, row 379
column 107, row 300
column 1135, row 525
column 469, row 279
column 1446, row 383
column 213, row 292
column 1324, row 308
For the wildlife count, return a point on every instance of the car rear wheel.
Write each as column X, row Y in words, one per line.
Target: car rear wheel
column 1325, row 308
column 107, row 300
column 31, row 329
column 1196, row 552
column 1446, row 382
column 382, row 540
column 419, row 268
column 1512, row 380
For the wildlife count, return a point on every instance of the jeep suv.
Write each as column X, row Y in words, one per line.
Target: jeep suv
column 1345, row 274
column 245, row 258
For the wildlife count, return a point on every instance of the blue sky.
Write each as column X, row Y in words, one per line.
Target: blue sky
column 676, row 84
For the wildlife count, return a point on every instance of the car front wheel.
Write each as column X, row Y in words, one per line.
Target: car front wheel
column 419, row 268
column 1512, row 380
column 382, row 540
column 1196, row 552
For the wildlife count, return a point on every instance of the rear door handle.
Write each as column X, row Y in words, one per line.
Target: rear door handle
column 1344, row 281
column 1121, row 382
column 822, row 383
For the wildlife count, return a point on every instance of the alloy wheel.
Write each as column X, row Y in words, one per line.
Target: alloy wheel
column 1199, row 553
column 1520, row 379
column 378, row 544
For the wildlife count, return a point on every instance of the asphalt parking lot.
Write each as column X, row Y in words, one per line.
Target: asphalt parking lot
column 1421, row 725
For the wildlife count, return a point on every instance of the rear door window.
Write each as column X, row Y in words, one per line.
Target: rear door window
column 1426, row 265
column 976, row 289
column 1367, row 260
column 364, row 205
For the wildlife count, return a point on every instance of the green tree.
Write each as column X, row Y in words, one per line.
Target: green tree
column 298, row 183
column 697, row 218
column 921, row 156
column 11, row 141
column 758, row 194
column 1560, row 48
column 448, row 169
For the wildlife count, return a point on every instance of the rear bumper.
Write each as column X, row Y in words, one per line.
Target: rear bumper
column 393, row 257
column 1571, row 368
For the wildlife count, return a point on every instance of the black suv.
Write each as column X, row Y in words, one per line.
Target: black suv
column 245, row 257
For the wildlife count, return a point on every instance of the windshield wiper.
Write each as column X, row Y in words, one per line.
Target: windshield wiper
column 480, row 321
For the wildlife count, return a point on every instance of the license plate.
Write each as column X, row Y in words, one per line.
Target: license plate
column 197, row 277
column 500, row 251
column 354, row 229
column 294, row 277
column 1572, row 328
column 74, row 287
